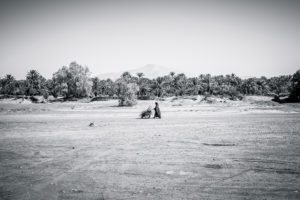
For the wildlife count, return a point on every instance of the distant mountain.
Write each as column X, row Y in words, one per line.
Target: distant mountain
column 150, row 71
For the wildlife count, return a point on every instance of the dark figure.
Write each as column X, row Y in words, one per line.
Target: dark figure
column 157, row 111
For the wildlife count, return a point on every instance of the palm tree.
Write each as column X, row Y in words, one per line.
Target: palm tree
column 34, row 81
column 96, row 85
column 172, row 74
column 9, row 77
column 180, row 84
column 157, row 86
column 126, row 76
column 208, row 76
column 194, row 85
column 140, row 74
column 172, row 83
column 8, row 84
column 295, row 89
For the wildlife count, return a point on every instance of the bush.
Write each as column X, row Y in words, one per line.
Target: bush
column 37, row 99
column 295, row 89
column 146, row 113
column 100, row 98
column 127, row 95
column 125, row 101
column 146, row 97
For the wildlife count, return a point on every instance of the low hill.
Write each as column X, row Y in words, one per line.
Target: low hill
column 150, row 71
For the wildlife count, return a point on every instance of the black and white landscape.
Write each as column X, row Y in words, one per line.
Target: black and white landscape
column 149, row 99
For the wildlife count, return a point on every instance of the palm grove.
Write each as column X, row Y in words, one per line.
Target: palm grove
column 75, row 81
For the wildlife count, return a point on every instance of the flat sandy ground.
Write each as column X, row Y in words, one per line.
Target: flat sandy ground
column 246, row 150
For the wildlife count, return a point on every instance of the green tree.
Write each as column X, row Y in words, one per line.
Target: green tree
column 126, row 90
column 144, row 87
column 139, row 83
column 193, row 86
column 279, row 85
column 8, row 85
column 52, row 88
column 73, row 81
column 180, row 84
column 110, row 87
column 36, row 84
column 127, row 77
column 172, row 74
column 21, row 87
column 140, row 74
column 96, row 86
column 158, row 86
column 295, row 87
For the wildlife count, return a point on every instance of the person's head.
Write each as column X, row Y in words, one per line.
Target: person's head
column 156, row 103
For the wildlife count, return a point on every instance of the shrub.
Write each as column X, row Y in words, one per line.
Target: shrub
column 295, row 89
column 101, row 98
column 146, row 97
column 146, row 113
column 128, row 95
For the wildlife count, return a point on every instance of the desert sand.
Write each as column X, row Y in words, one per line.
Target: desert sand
column 246, row 149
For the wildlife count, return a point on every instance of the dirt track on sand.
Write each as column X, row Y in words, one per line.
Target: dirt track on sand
column 188, row 154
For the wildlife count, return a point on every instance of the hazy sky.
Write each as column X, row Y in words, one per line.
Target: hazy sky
column 218, row 37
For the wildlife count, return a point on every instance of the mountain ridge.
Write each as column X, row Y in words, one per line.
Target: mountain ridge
column 152, row 71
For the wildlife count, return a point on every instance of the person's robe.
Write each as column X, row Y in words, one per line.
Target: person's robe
column 157, row 112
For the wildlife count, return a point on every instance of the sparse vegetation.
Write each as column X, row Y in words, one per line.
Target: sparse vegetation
column 146, row 113
column 86, row 149
column 295, row 88
column 75, row 82
column 126, row 90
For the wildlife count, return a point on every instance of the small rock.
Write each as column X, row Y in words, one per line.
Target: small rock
column 77, row 191
column 91, row 124
column 213, row 166
column 169, row 172
column 183, row 173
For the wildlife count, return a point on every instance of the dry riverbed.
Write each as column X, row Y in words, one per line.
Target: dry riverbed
column 228, row 150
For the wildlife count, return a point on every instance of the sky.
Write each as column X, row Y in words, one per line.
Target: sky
column 248, row 38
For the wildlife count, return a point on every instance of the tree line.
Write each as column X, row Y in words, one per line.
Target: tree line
column 75, row 81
